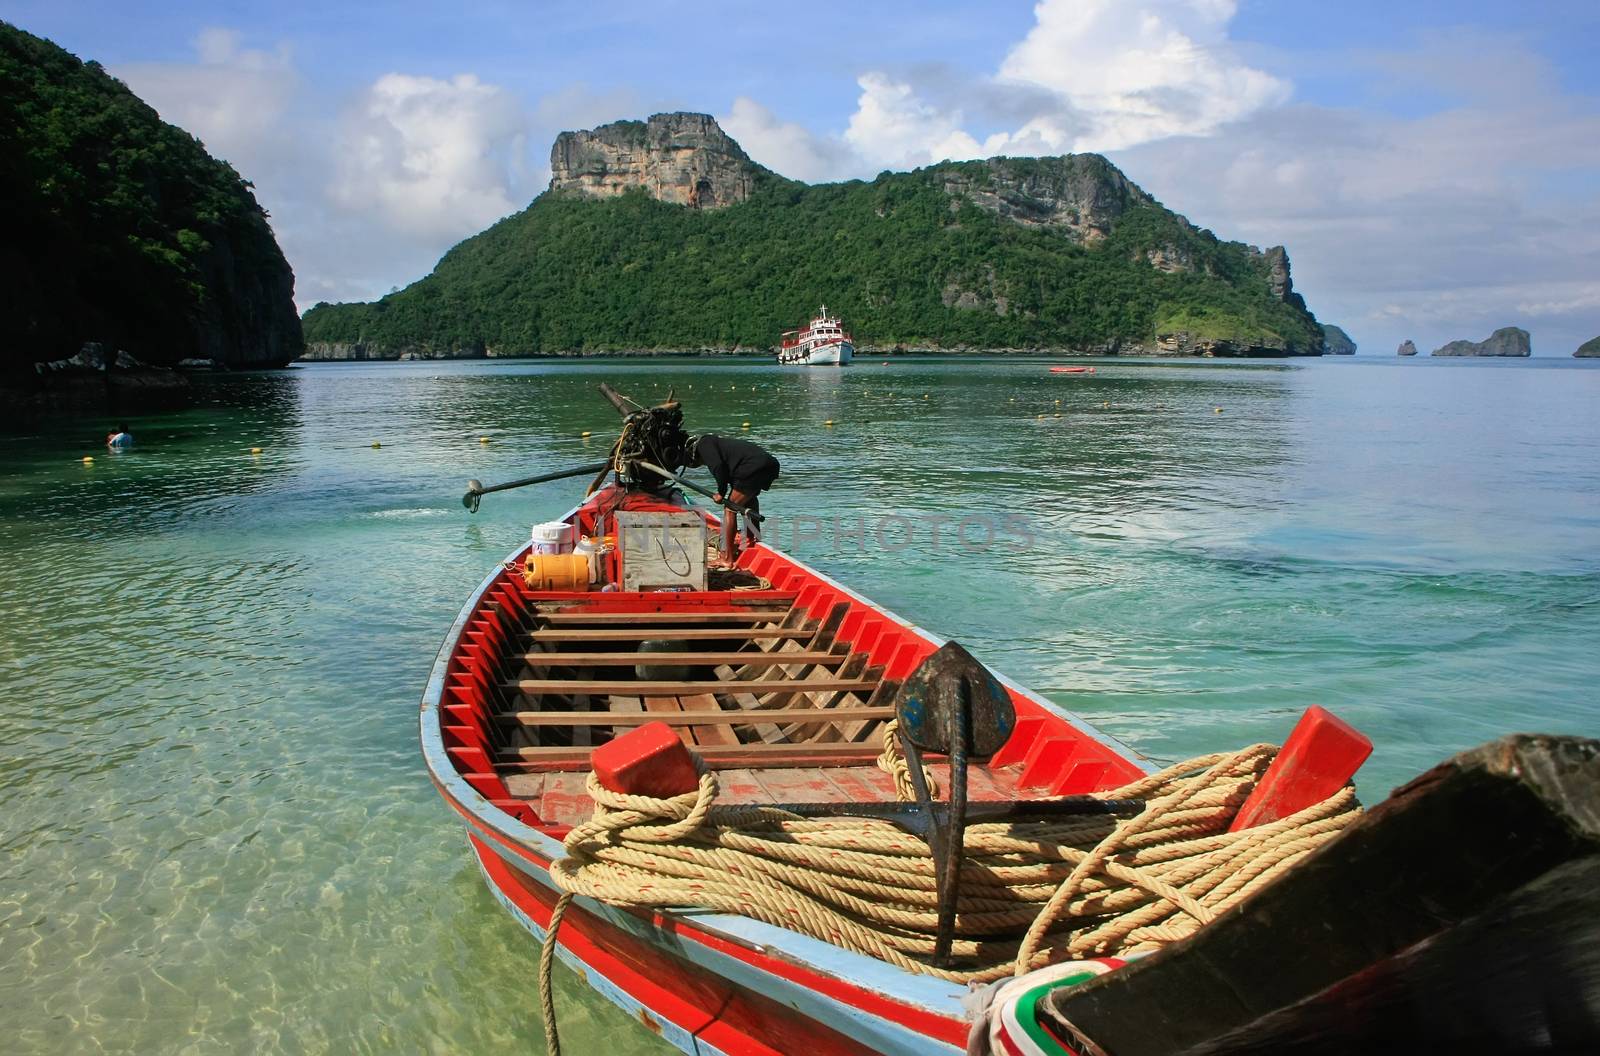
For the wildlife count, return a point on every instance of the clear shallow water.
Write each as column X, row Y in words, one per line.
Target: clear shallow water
column 215, row 830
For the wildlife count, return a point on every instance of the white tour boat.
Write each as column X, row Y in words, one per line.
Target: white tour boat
column 822, row 344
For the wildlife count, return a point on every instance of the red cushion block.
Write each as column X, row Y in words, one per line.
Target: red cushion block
column 648, row 761
column 1320, row 757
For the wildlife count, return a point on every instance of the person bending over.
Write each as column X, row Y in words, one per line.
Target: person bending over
column 741, row 469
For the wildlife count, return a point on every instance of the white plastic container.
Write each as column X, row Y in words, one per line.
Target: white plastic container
column 589, row 547
column 553, row 537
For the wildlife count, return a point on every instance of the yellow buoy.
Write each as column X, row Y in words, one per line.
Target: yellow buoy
column 1058, row 414
column 376, row 445
column 1219, row 410
column 87, row 459
column 1106, row 404
column 1058, row 403
column 483, row 439
column 744, row 425
column 924, row 395
column 1041, row 418
column 585, row 434
column 828, row 422
column 1013, row 399
column 255, row 450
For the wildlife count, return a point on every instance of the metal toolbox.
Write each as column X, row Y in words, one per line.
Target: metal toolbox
column 662, row 551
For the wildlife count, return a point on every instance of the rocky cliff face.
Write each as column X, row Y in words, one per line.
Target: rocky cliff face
column 1407, row 348
column 1081, row 195
column 1506, row 341
column 1336, row 342
column 682, row 158
column 1590, row 349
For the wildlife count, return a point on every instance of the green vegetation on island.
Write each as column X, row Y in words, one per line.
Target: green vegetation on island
column 122, row 230
column 946, row 256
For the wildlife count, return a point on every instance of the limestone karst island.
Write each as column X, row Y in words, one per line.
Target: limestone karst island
column 1053, row 253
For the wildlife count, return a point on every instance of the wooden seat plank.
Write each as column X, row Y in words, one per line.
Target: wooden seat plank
column 672, row 688
column 659, row 601
column 717, row 757
column 700, row 713
column 694, row 634
column 629, row 659
column 670, row 618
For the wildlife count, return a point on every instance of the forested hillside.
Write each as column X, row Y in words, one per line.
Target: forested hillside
column 1051, row 252
column 121, row 229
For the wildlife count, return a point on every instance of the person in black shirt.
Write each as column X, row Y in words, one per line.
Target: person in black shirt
column 741, row 469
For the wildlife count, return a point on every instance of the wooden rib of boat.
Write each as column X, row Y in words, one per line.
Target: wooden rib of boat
column 783, row 691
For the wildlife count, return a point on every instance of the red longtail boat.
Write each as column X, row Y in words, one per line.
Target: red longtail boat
column 781, row 689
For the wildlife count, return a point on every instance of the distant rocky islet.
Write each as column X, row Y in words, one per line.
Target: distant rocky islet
column 1509, row 341
column 1336, row 341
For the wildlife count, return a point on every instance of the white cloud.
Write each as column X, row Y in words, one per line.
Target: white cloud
column 1136, row 72
column 1091, row 75
column 233, row 100
column 1432, row 227
column 892, row 127
column 417, row 163
column 432, row 157
column 785, row 147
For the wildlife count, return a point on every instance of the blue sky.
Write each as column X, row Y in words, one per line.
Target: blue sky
column 1433, row 168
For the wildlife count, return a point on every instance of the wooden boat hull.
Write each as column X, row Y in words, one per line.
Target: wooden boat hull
column 1460, row 915
column 706, row 982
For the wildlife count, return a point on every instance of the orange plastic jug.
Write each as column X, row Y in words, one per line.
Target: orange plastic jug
column 556, row 571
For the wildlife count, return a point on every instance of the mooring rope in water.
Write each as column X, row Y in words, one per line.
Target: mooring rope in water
column 1033, row 891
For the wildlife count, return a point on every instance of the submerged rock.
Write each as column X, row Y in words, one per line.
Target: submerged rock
column 1407, row 348
column 1506, row 341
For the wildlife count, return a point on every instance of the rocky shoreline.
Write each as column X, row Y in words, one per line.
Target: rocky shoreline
column 1167, row 346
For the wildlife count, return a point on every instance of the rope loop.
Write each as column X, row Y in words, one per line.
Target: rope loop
column 1034, row 891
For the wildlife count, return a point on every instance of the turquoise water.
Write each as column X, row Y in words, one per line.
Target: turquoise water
column 217, row 834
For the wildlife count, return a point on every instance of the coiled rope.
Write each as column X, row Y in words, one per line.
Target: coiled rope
column 1033, row 891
